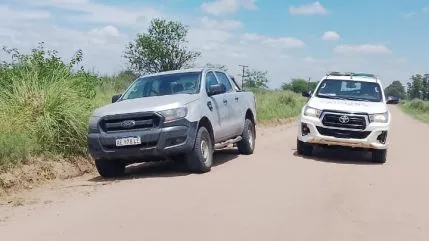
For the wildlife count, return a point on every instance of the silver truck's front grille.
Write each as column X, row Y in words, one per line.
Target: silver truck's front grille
column 132, row 121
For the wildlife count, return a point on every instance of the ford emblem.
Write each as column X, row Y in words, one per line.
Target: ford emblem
column 128, row 123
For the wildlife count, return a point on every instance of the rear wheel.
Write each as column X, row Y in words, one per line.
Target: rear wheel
column 200, row 159
column 379, row 156
column 304, row 148
column 247, row 144
column 108, row 168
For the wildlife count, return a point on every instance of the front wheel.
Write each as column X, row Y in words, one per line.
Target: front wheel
column 247, row 144
column 200, row 159
column 304, row 148
column 379, row 156
column 110, row 168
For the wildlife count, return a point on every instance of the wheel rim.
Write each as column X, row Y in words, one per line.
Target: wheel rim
column 205, row 151
column 250, row 133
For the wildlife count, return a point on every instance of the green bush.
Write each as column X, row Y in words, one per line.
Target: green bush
column 272, row 105
column 44, row 104
column 419, row 109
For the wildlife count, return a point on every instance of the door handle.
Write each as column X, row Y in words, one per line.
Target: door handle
column 225, row 101
column 236, row 98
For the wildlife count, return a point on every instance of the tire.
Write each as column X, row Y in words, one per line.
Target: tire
column 108, row 169
column 247, row 144
column 379, row 156
column 200, row 159
column 304, row 148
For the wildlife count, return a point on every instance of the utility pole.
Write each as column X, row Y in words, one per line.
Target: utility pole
column 242, row 76
column 308, row 84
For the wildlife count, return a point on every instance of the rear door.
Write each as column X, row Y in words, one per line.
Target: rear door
column 235, row 115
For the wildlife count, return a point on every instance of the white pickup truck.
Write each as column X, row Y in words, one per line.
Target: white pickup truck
column 346, row 110
column 182, row 115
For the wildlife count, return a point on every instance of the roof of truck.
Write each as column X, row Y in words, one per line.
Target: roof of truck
column 364, row 77
column 188, row 70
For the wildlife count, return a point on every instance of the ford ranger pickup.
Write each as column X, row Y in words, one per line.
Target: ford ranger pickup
column 181, row 115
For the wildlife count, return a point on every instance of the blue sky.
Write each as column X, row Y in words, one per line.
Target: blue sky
column 288, row 39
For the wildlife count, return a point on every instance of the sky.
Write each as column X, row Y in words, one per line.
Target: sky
column 288, row 39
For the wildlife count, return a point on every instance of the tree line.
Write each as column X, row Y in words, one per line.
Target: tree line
column 416, row 88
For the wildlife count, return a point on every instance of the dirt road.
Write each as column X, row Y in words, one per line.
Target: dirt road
column 271, row 195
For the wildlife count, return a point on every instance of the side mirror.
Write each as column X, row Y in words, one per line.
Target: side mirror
column 115, row 98
column 306, row 94
column 216, row 89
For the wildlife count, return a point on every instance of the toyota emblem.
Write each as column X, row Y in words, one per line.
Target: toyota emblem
column 128, row 123
column 344, row 119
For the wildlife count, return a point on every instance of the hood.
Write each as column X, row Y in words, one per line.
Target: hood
column 347, row 105
column 154, row 103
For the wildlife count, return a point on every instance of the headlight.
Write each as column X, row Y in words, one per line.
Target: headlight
column 379, row 118
column 313, row 112
column 174, row 114
column 93, row 124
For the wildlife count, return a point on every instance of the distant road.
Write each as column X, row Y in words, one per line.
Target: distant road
column 271, row 195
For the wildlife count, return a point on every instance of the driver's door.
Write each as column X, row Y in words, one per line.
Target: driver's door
column 219, row 109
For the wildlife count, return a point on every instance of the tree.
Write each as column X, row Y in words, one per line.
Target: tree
column 426, row 86
column 255, row 79
column 217, row 66
column 162, row 48
column 299, row 85
column 395, row 89
column 416, row 89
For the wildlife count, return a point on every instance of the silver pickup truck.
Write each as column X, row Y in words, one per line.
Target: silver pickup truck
column 181, row 115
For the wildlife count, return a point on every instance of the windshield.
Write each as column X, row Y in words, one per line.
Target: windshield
column 350, row 90
column 167, row 84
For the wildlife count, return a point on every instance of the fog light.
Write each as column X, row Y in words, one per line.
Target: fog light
column 382, row 137
column 304, row 129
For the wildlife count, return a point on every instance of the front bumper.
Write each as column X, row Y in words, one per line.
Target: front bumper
column 157, row 143
column 373, row 140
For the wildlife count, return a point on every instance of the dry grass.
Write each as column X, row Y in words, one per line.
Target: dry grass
column 37, row 171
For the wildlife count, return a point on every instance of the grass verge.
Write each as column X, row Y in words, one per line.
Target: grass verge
column 277, row 106
column 418, row 109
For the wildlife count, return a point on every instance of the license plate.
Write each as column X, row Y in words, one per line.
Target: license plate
column 128, row 141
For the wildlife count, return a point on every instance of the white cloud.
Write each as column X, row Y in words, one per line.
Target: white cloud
column 284, row 42
column 107, row 31
column 279, row 42
column 315, row 8
column 425, row 9
column 221, row 7
column 330, row 36
column 9, row 14
column 220, row 24
column 364, row 49
column 102, row 13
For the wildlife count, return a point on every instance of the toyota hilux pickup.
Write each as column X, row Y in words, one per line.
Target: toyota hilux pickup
column 181, row 115
column 346, row 110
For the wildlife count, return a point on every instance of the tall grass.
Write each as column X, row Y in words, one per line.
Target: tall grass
column 419, row 109
column 44, row 105
column 274, row 105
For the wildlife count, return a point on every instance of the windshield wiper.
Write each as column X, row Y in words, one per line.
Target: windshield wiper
column 358, row 99
column 331, row 96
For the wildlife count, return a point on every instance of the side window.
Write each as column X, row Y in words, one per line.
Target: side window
column 224, row 80
column 210, row 80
